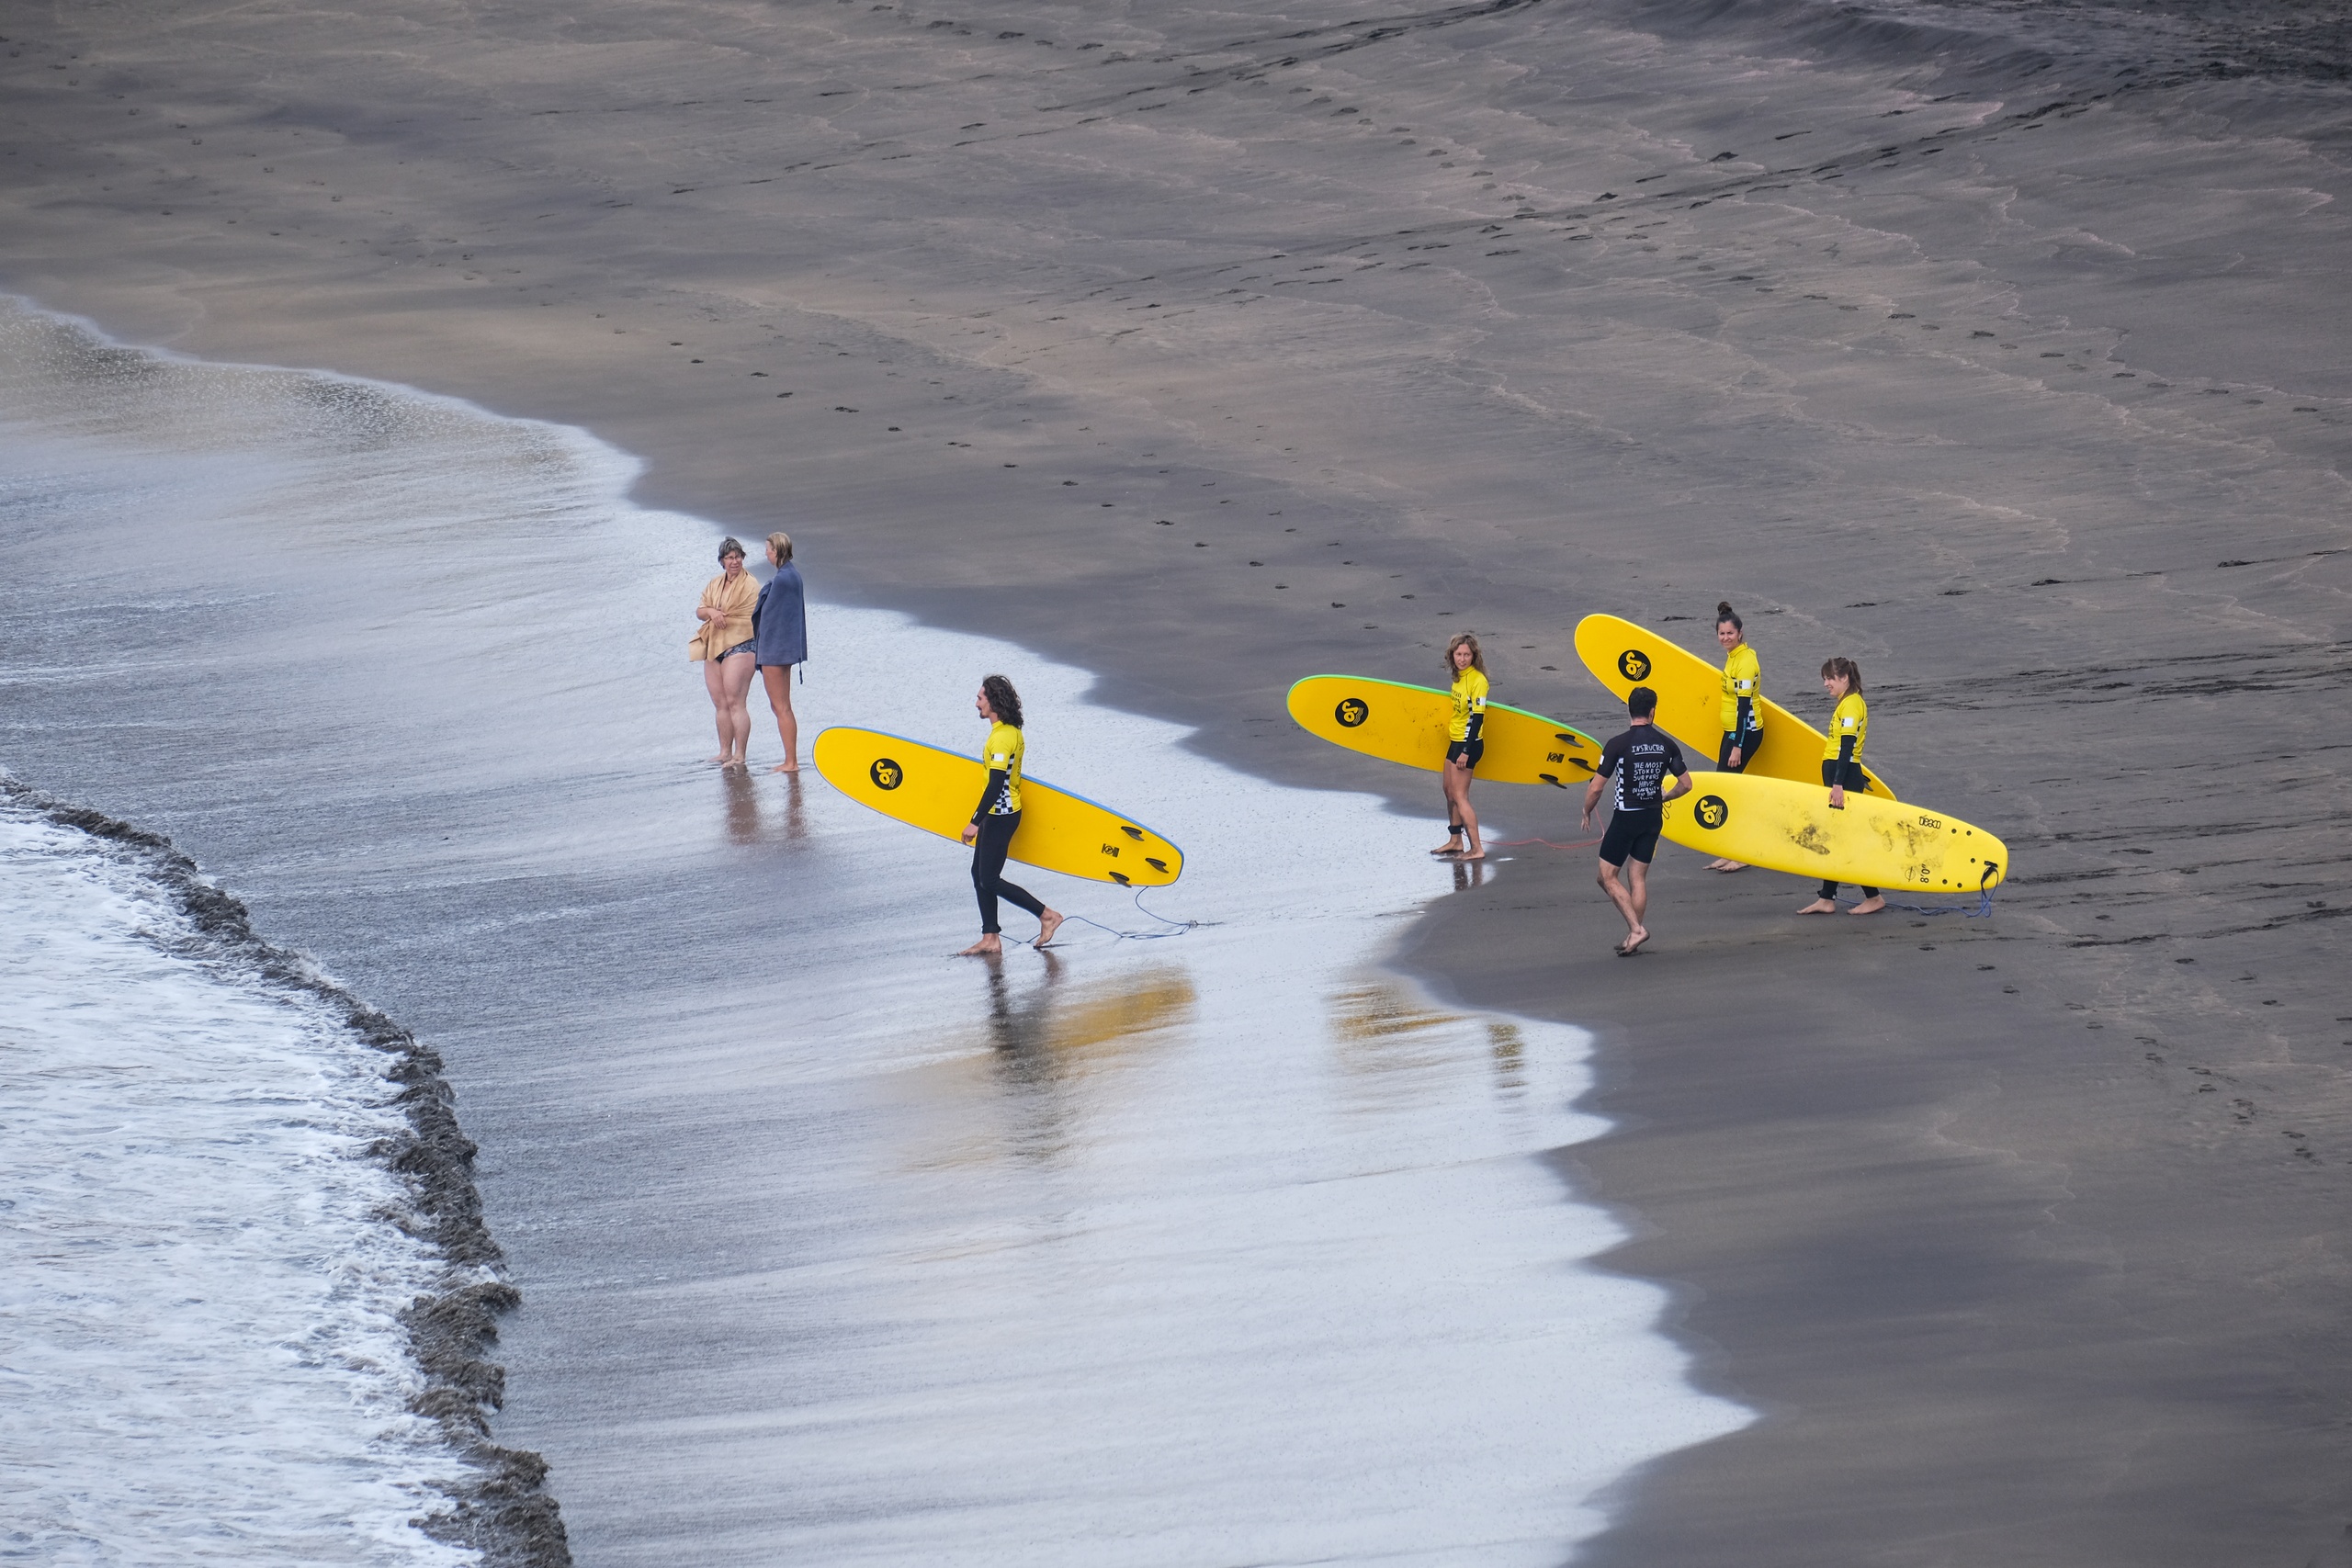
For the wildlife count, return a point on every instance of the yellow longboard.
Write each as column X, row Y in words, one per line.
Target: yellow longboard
column 1623, row 656
column 1406, row 724
column 1876, row 842
column 935, row 790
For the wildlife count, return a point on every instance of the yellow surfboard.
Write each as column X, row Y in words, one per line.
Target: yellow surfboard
column 1876, row 842
column 1399, row 723
column 935, row 790
column 1623, row 656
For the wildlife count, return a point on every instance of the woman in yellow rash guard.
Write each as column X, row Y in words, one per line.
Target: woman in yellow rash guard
column 1743, row 705
column 1841, row 767
column 1467, row 665
column 998, row 817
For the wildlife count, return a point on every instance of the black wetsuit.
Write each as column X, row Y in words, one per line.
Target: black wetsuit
column 998, row 817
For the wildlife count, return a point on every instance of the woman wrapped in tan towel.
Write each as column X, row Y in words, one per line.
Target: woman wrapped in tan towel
column 724, row 648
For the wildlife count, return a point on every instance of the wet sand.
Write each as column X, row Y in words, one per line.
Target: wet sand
column 2014, row 367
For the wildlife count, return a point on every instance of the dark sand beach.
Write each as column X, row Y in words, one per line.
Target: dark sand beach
column 2004, row 351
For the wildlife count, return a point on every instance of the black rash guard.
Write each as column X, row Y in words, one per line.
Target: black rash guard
column 1641, row 760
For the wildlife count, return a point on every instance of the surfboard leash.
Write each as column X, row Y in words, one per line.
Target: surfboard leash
column 1181, row 926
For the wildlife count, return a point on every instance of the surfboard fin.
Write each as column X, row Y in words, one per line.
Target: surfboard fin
column 1156, row 865
column 1121, row 880
column 1134, row 833
column 1552, row 779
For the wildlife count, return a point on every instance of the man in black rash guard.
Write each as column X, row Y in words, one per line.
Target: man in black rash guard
column 1641, row 761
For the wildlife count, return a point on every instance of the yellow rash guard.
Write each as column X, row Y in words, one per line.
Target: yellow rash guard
column 1743, row 685
column 1851, row 722
column 1469, row 704
column 1001, row 755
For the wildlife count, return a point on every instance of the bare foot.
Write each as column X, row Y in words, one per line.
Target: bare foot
column 732, row 762
column 1728, row 865
column 1048, row 924
column 1820, row 907
column 787, row 767
column 720, row 758
column 1869, row 906
column 989, row 946
column 1633, row 943
column 1451, row 846
column 1472, row 853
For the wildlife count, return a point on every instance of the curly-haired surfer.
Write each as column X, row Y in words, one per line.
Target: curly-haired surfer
column 998, row 817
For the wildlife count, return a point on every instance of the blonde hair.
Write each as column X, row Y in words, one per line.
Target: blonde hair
column 1477, row 658
column 782, row 544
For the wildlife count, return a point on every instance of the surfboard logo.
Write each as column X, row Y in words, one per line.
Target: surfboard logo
column 1352, row 712
column 1634, row 664
column 886, row 773
column 1712, row 812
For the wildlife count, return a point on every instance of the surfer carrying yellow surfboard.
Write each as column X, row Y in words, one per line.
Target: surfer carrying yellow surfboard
column 1742, row 710
column 1841, row 767
column 1641, row 761
column 998, row 817
column 1467, row 666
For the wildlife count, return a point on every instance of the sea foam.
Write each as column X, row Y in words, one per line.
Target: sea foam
column 201, row 1263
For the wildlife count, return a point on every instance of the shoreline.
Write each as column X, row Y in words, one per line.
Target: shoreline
column 2085, row 1247
column 1046, row 1044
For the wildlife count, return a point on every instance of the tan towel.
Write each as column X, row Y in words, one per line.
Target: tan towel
column 736, row 599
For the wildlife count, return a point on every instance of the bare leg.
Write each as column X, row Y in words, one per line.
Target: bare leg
column 1624, row 902
column 736, row 719
column 1638, row 874
column 787, row 724
column 714, row 681
column 1457, row 797
column 1452, row 844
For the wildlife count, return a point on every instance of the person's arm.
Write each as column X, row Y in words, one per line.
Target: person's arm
column 997, row 779
column 1846, row 744
column 1592, row 799
column 1747, row 725
column 1682, row 787
column 1478, row 721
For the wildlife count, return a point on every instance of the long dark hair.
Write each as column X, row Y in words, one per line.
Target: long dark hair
column 1004, row 701
column 1723, row 612
column 1841, row 665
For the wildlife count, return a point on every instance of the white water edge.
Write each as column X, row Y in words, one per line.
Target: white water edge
column 1226, row 1246
column 199, row 1356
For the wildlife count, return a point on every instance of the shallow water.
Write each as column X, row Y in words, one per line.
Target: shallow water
column 1222, row 1243
column 200, row 1348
